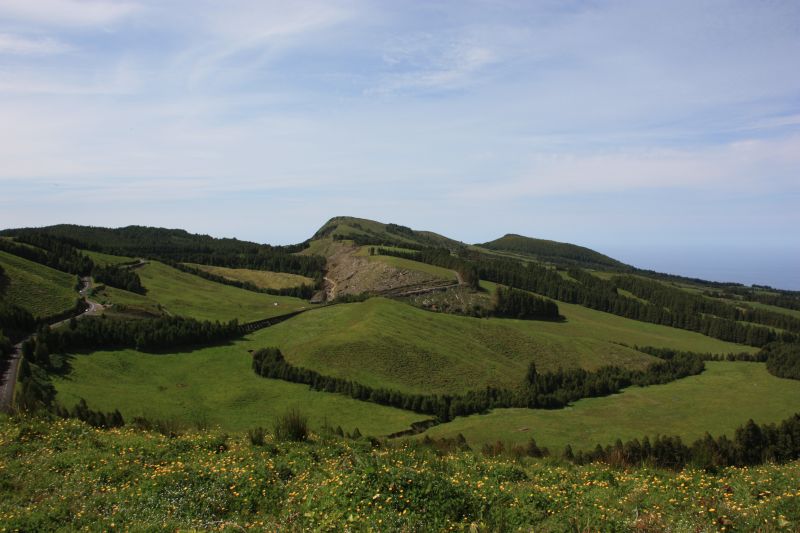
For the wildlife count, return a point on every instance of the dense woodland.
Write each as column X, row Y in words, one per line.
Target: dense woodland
column 178, row 246
column 50, row 252
column 783, row 360
column 551, row 390
column 513, row 303
column 119, row 277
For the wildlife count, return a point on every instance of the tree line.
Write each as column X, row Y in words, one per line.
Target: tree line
column 513, row 303
column 178, row 246
column 752, row 444
column 147, row 335
column 767, row 295
column 687, row 303
column 119, row 277
column 783, row 359
column 440, row 257
column 550, row 390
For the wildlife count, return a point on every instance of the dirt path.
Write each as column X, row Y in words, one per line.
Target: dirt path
column 9, row 378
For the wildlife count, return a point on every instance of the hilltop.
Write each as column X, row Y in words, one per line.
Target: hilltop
column 555, row 252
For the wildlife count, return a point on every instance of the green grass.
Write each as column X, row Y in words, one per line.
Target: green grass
column 408, row 264
column 41, row 290
column 213, row 386
column 99, row 258
column 720, row 399
column 185, row 294
column 125, row 301
column 260, row 278
column 66, row 476
column 385, row 343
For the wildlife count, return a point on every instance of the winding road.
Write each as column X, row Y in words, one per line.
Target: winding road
column 9, row 376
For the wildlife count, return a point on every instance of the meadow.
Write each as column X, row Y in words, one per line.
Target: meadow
column 407, row 264
column 717, row 401
column 260, row 278
column 99, row 258
column 39, row 289
column 65, row 475
column 211, row 387
column 185, row 294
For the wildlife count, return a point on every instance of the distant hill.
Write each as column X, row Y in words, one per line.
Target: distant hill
column 364, row 231
column 553, row 252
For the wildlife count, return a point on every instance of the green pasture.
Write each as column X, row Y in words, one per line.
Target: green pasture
column 720, row 399
column 181, row 293
column 262, row 279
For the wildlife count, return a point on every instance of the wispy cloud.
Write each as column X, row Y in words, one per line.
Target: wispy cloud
column 20, row 45
column 67, row 12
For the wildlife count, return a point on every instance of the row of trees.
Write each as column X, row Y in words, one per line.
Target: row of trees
column 513, row 303
column 148, row 335
column 764, row 295
column 119, row 277
column 687, row 303
column 549, row 390
column 752, row 444
column 783, row 359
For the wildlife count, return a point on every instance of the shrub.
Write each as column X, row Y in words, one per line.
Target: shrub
column 292, row 425
column 256, row 436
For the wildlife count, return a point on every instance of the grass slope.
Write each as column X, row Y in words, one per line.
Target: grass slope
column 211, row 386
column 41, row 290
column 99, row 258
column 718, row 400
column 125, row 302
column 260, row 278
column 385, row 343
column 407, row 264
column 181, row 293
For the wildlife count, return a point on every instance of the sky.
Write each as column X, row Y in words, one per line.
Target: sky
column 666, row 134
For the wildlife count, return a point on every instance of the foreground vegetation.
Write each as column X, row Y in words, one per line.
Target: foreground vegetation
column 66, row 475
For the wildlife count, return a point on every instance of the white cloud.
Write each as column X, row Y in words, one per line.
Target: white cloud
column 67, row 12
column 18, row 45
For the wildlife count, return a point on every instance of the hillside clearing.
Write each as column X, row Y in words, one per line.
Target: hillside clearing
column 262, row 279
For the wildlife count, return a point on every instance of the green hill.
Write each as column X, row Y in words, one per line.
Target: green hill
column 364, row 231
column 39, row 289
column 385, row 343
column 546, row 251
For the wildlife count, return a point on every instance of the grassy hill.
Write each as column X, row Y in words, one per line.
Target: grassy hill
column 67, row 476
column 365, row 231
column 41, row 290
column 559, row 253
column 260, row 278
column 185, row 294
column 212, row 387
column 386, row 343
column 718, row 400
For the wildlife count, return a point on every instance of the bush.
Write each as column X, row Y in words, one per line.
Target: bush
column 256, row 436
column 292, row 425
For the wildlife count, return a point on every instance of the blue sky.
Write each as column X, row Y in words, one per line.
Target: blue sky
column 624, row 126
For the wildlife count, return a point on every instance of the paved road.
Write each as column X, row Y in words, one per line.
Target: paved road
column 9, row 377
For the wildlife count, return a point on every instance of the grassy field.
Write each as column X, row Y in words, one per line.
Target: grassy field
column 407, row 264
column 387, row 343
column 99, row 258
column 41, row 290
column 260, row 278
column 720, row 399
column 185, row 294
column 214, row 387
column 123, row 301
column 67, row 476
